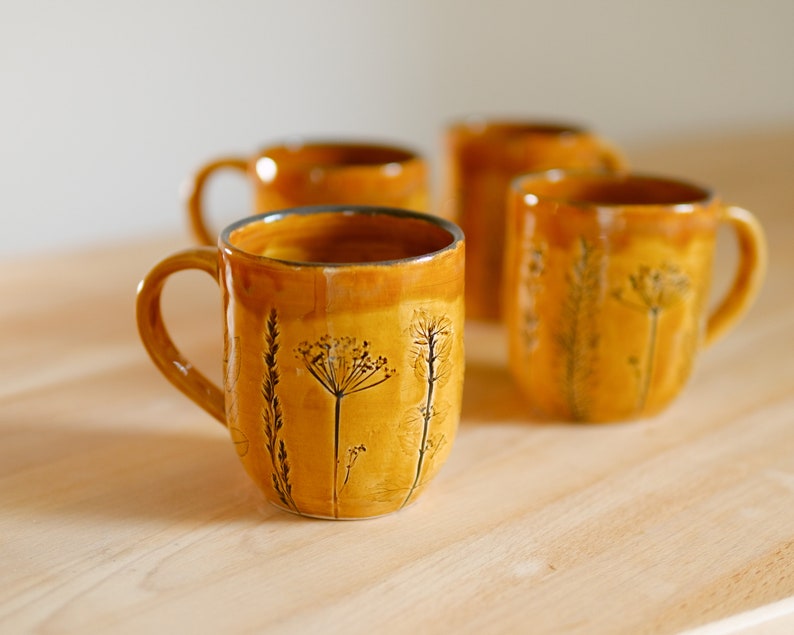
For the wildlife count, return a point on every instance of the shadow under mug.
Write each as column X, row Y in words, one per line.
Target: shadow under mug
column 302, row 173
column 607, row 286
column 482, row 156
column 343, row 352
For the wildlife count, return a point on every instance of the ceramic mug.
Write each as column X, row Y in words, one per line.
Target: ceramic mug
column 481, row 157
column 302, row 173
column 343, row 352
column 607, row 289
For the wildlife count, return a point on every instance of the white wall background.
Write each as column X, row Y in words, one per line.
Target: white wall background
column 106, row 106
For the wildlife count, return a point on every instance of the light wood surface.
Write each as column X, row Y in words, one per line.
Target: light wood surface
column 123, row 507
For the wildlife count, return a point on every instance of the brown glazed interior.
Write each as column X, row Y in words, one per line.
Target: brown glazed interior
column 508, row 128
column 342, row 235
column 337, row 154
column 611, row 189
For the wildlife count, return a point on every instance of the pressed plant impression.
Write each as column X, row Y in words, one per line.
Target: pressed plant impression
column 432, row 343
column 231, row 362
column 531, row 282
column 343, row 367
column 351, row 458
column 531, row 285
column 651, row 290
column 576, row 337
column 272, row 416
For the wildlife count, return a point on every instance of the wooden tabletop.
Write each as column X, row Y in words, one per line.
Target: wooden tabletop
column 123, row 507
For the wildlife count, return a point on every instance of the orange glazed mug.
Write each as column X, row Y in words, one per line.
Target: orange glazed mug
column 607, row 283
column 343, row 352
column 482, row 157
column 300, row 173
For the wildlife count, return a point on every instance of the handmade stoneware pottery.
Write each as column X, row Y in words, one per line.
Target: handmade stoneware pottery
column 343, row 362
column 607, row 282
column 304, row 172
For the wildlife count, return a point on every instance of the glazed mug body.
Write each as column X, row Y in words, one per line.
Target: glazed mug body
column 343, row 353
column 608, row 278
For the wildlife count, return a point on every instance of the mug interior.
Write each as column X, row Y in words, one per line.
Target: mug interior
column 337, row 154
column 610, row 189
column 341, row 235
column 517, row 128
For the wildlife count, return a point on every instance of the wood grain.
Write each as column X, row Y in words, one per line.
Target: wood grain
column 123, row 507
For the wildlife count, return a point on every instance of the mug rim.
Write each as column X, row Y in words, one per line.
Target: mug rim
column 702, row 196
column 225, row 245
column 295, row 143
column 516, row 126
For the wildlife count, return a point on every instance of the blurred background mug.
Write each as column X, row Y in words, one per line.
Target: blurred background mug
column 343, row 352
column 305, row 172
column 482, row 156
column 607, row 282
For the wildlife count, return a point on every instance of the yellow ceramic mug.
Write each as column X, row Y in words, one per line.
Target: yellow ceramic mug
column 482, row 157
column 302, row 172
column 343, row 348
column 607, row 285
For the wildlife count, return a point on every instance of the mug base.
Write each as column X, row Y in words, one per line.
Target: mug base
column 325, row 517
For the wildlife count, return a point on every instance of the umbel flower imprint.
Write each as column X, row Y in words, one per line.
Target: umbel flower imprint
column 343, row 367
column 652, row 291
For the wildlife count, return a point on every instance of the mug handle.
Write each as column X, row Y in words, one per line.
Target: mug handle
column 612, row 158
column 195, row 197
column 749, row 275
column 158, row 343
